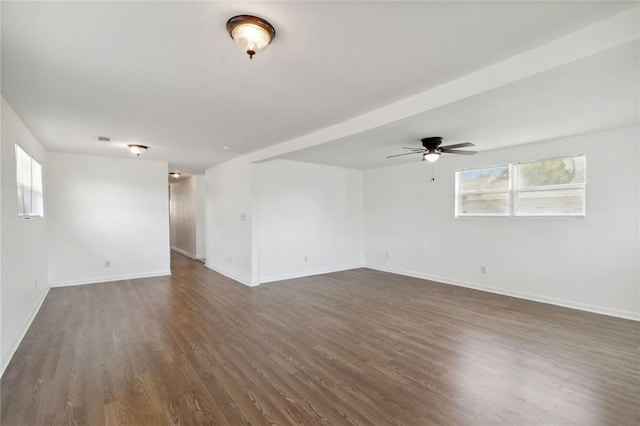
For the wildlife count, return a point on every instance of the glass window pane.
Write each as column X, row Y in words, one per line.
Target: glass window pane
column 29, row 183
column 23, row 179
column 559, row 171
column 36, row 176
column 483, row 204
column 490, row 178
column 36, row 189
column 558, row 202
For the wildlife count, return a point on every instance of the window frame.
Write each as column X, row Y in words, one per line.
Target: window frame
column 34, row 193
column 514, row 190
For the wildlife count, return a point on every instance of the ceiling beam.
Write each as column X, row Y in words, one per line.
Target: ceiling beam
column 610, row 33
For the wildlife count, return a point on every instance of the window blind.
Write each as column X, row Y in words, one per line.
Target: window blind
column 29, row 183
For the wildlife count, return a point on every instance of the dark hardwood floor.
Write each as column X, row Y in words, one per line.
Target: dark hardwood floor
column 354, row 347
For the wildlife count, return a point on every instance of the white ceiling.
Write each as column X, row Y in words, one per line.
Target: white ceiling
column 595, row 93
column 167, row 75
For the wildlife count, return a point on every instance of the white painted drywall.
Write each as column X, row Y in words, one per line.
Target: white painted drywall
column 187, row 216
column 589, row 263
column 2, row 355
column 228, row 223
column 24, row 261
column 104, row 209
column 309, row 219
column 201, row 220
column 182, row 216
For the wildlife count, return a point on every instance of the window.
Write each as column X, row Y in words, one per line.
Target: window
column 551, row 187
column 29, row 178
column 554, row 187
column 484, row 192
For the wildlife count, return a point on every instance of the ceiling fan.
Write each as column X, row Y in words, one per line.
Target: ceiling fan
column 431, row 149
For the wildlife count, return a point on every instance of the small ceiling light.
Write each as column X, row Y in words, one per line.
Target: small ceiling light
column 251, row 33
column 432, row 155
column 174, row 175
column 137, row 149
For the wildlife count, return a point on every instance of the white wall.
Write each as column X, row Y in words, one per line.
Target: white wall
column 228, row 225
column 24, row 263
column 187, row 216
column 589, row 263
column 106, row 209
column 307, row 211
column 201, row 220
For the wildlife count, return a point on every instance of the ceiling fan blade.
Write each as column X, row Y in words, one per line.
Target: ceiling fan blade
column 413, row 149
column 406, row 153
column 458, row 151
column 457, row 145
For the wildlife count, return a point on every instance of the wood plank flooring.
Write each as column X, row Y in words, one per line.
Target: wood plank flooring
column 354, row 347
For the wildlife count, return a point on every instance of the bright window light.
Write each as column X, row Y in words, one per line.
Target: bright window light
column 29, row 180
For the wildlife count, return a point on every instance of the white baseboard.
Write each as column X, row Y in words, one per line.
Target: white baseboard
column 307, row 274
column 106, row 279
column 23, row 332
column 183, row 252
column 228, row 275
column 520, row 295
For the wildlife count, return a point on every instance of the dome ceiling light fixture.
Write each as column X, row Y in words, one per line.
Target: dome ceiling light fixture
column 137, row 149
column 174, row 175
column 251, row 33
column 431, row 155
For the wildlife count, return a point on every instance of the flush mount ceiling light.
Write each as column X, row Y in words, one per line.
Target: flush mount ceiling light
column 251, row 33
column 137, row 149
column 174, row 175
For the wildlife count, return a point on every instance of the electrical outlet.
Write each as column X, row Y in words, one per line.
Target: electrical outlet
column 306, row 259
column 107, row 264
column 483, row 270
column 386, row 255
column 229, row 259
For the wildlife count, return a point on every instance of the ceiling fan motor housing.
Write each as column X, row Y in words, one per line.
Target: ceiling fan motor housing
column 432, row 142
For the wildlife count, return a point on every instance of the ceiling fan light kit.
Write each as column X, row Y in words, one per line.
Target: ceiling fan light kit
column 431, row 149
column 251, row 33
column 431, row 155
